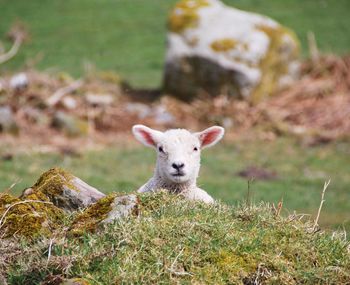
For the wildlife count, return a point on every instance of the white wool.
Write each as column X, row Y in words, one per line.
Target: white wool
column 178, row 159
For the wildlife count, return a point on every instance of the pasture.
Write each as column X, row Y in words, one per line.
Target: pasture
column 129, row 36
column 299, row 173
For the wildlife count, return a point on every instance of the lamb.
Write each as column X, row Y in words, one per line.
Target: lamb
column 178, row 159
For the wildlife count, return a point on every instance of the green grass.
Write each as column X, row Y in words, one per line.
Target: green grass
column 129, row 36
column 301, row 173
column 174, row 241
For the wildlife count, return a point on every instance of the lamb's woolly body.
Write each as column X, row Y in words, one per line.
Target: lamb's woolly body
column 177, row 146
column 191, row 192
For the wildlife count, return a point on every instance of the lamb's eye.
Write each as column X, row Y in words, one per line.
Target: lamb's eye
column 160, row 148
column 195, row 148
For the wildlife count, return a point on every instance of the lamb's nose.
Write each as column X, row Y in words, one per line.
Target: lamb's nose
column 178, row 166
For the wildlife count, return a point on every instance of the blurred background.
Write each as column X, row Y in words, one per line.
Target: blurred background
column 76, row 75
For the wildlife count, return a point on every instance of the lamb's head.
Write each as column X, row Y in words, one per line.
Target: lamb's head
column 178, row 150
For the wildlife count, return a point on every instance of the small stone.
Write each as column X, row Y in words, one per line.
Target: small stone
column 34, row 115
column 227, row 123
column 121, row 207
column 19, row 81
column 2, row 86
column 72, row 126
column 69, row 102
column 142, row 110
column 162, row 116
column 7, row 121
column 99, row 99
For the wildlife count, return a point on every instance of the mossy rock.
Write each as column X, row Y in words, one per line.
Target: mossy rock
column 29, row 218
column 45, row 207
column 214, row 49
column 106, row 210
column 63, row 189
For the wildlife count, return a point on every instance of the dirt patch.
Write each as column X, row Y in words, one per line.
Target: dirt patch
column 257, row 173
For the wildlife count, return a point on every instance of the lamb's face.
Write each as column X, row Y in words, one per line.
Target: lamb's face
column 178, row 151
column 178, row 156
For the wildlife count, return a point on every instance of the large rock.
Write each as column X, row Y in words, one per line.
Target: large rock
column 216, row 49
column 45, row 207
column 64, row 190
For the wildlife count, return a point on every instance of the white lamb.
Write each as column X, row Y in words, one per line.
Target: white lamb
column 178, row 159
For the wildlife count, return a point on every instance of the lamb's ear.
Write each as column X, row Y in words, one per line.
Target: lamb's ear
column 147, row 136
column 210, row 136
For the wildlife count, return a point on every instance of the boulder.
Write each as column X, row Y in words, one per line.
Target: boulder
column 216, row 49
column 44, row 207
column 64, row 190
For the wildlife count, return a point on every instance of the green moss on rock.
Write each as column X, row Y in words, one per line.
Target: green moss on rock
column 185, row 15
column 89, row 219
column 273, row 66
column 223, row 45
column 51, row 186
column 29, row 218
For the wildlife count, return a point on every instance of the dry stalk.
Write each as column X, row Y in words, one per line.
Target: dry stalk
column 325, row 186
column 12, row 51
column 313, row 49
column 49, row 253
column 277, row 210
column 60, row 93
column 173, row 271
column 12, row 185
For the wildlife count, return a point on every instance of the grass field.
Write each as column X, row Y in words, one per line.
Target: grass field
column 129, row 36
column 301, row 173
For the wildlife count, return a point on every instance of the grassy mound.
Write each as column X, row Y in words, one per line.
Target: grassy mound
column 176, row 241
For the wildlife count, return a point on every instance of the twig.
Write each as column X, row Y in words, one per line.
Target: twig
column 313, row 49
column 177, row 257
column 49, row 253
column 325, row 186
column 60, row 93
column 12, row 185
column 179, row 273
column 171, row 269
column 248, row 201
column 18, row 203
column 12, row 52
column 277, row 211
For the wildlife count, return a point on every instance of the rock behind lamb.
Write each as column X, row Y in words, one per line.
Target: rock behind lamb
column 216, row 49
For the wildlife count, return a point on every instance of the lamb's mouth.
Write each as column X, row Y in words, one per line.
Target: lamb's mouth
column 178, row 174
